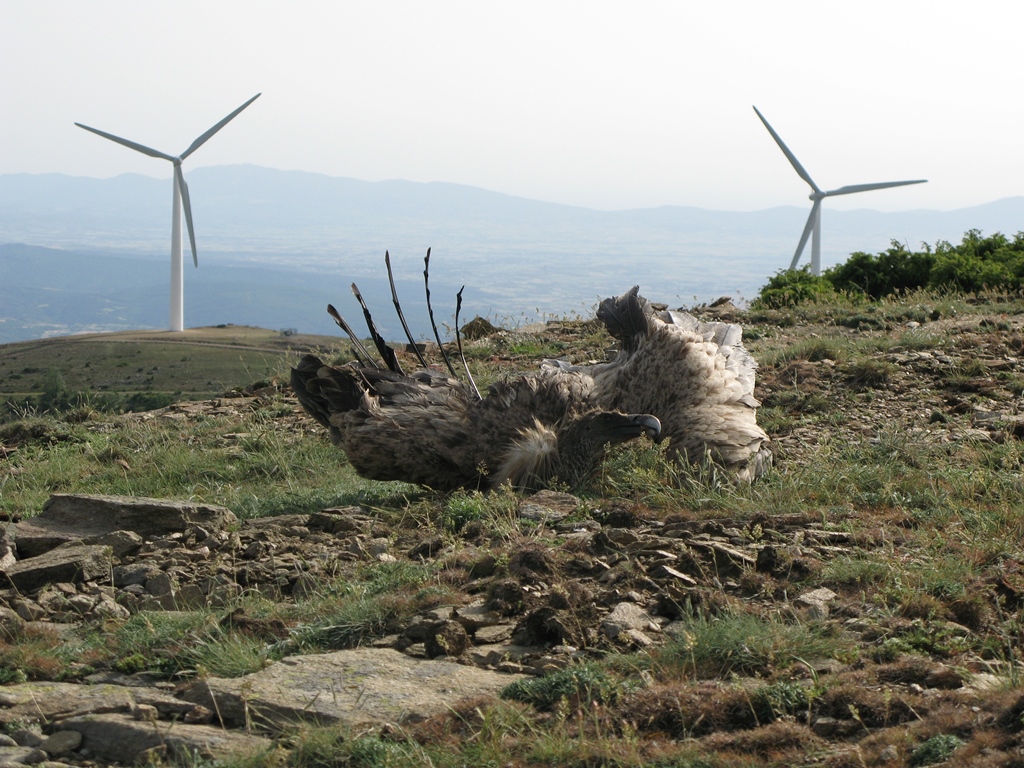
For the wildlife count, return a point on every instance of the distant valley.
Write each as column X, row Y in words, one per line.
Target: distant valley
column 82, row 254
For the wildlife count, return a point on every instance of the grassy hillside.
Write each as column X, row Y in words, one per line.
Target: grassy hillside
column 153, row 366
column 898, row 429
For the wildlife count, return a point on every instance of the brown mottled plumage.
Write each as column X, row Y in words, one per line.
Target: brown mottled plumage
column 696, row 377
column 430, row 429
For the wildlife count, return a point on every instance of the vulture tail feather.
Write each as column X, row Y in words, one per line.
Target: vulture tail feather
column 361, row 354
column 387, row 354
column 458, row 339
column 430, row 312
column 302, row 374
column 323, row 392
column 398, row 308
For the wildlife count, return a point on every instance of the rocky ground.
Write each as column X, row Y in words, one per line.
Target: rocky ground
column 620, row 580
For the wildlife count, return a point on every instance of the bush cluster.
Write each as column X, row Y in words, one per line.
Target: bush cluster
column 977, row 263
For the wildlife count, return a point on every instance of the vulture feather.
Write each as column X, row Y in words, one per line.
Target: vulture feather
column 695, row 377
column 430, row 429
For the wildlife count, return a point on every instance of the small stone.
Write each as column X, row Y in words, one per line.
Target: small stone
column 198, row 714
column 500, row 633
column 134, row 573
column 51, row 600
column 145, row 712
column 447, row 639
column 82, row 604
column 427, row 548
column 539, row 513
column 984, row 682
column 19, row 756
column 816, row 602
column 255, row 551
column 27, row 737
column 61, row 742
column 477, row 615
column 160, row 585
column 29, row 610
column 108, row 608
column 634, row 638
column 377, row 547
column 122, row 543
column 625, row 616
column 11, row 623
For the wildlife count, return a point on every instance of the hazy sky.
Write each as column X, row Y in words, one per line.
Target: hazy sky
column 600, row 104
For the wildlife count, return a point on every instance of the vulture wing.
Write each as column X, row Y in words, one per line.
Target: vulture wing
column 432, row 430
column 695, row 377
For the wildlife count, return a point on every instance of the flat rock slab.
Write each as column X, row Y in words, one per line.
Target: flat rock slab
column 70, row 517
column 123, row 739
column 45, row 702
column 362, row 686
column 18, row 756
column 72, row 563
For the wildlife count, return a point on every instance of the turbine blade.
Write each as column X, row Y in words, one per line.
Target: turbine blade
column 808, row 228
column 849, row 190
column 202, row 139
column 785, row 150
column 130, row 144
column 186, row 206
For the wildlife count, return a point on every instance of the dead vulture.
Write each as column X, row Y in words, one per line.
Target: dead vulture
column 695, row 377
column 433, row 430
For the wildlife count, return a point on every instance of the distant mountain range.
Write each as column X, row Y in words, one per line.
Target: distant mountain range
column 275, row 246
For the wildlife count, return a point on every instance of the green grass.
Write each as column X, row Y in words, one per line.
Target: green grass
column 111, row 370
column 741, row 643
column 580, row 685
column 379, row 599
column 245, row 464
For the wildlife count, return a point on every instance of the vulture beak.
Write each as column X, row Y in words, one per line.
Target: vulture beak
column 629, row 426
column 648, row 425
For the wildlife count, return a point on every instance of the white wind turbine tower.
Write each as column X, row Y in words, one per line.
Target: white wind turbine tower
column 180, row 198
column 817, row 195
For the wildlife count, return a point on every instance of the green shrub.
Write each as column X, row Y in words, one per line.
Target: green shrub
column 976, row 264
column 789, row 287
column 579, row 684
column 895, row 271
column 937, row 749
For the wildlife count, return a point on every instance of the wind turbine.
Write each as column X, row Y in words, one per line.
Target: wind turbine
column 817, row 195
column 180, row 200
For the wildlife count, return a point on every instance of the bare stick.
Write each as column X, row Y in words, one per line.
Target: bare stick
column 458, row 339
column 351, row 334
column 430, row 312
column 387, row 354
column 397, row 306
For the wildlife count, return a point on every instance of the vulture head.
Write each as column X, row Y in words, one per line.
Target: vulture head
column 568, row 451
column 429, row 429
